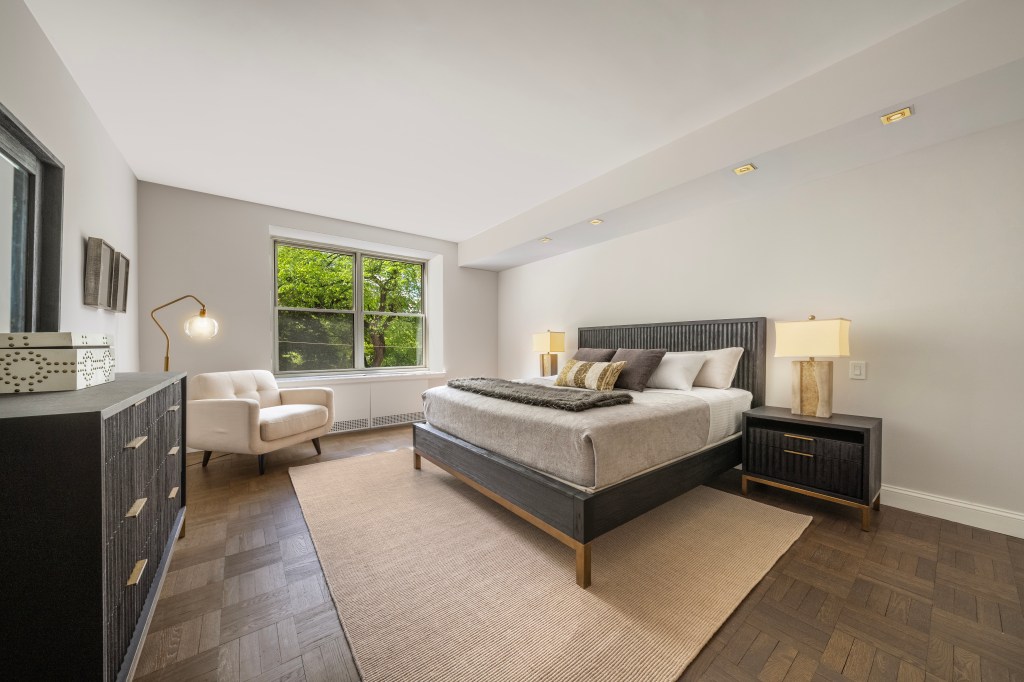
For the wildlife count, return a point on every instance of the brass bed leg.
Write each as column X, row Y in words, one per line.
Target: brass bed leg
column 583, row 565
column 415, row 460
column 743, row 485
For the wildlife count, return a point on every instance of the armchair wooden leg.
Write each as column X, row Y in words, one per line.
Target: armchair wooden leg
column 415, row 460
column 263, row 464
column 206, row 457
column 316, row 444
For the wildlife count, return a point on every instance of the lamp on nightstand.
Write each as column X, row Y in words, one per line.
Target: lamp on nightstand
column 812, row 379
column 547, row 344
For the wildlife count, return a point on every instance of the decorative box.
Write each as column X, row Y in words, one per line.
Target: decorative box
column 35, row 362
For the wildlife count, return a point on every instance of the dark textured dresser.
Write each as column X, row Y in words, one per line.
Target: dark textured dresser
column 92, row 496
column 837, row 459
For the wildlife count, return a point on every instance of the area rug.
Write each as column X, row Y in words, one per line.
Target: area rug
column 433, row 581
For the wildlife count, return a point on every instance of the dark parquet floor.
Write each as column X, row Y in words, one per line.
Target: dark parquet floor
column 917, row 599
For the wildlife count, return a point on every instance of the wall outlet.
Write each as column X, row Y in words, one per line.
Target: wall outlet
column 858, row 369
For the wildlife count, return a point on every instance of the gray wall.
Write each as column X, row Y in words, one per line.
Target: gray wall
column 219, row 249
column 99, row 187
column 922, row 252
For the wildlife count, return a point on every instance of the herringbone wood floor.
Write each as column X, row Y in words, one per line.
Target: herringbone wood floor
column 915, row 599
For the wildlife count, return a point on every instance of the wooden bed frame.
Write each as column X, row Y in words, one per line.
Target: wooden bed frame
column 573, row 516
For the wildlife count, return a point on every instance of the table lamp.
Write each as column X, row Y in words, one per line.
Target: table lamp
column 547, row 344
column 812, row 379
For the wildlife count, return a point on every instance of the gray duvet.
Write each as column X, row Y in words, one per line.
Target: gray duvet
column 591, row 449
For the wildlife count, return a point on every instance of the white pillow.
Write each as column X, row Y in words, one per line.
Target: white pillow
column 719, row 367
column 677, row 370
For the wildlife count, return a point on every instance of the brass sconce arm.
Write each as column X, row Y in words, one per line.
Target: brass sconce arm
column 167, row 339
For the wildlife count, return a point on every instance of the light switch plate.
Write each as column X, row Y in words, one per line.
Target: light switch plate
column 858, row 369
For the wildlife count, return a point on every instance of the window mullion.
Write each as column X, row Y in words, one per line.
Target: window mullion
column 358, row 340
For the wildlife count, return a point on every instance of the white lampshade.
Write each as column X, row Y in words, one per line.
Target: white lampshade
column 201, row 326
column 812, row 338
column 549, row 342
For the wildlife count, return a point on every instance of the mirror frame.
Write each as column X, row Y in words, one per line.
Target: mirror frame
column 42, row 264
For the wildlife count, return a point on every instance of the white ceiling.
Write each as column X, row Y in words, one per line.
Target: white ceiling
column 438, row 117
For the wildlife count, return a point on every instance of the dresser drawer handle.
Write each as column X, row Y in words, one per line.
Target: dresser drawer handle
column 136, row 443
column 136, row 508
column 802, row 454
column 174, row 493
column 790, row 435
column 140, row 403
column 173, row 451
column 136, row 575
column 174, row 408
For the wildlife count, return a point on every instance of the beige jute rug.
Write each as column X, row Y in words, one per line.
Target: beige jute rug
column 433, row 581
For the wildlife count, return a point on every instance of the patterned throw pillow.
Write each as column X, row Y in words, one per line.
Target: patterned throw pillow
column 597, row 376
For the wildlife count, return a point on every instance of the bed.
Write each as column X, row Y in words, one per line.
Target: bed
column 578, row 487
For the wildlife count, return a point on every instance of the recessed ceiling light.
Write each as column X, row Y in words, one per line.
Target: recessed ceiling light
column 545, row 240
column 596, row 221
column 897, row 116
column 743, row 170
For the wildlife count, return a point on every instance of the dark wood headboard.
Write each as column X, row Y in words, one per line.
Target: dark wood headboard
column 749, row 333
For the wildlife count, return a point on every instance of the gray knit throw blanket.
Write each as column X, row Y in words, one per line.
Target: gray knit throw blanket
column 571, row 400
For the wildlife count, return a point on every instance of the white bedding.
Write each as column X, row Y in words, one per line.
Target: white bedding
column 727, row 406
column 571, row 454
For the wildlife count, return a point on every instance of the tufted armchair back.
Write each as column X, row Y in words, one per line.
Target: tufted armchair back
column 252, row 384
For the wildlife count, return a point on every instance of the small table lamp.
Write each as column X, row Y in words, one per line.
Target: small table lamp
column 547, row 344
column 812, row 379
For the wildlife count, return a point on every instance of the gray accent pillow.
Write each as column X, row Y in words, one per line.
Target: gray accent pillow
column 594, row 354
column 640, row 365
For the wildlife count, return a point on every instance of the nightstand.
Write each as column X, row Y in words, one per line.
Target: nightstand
column 837, row 459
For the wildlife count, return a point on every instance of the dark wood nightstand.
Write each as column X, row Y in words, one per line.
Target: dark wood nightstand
column 837, row 459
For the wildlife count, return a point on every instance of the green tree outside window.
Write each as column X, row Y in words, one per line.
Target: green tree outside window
column 318, row 313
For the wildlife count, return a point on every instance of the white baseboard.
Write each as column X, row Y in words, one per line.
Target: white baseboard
column 979, row 515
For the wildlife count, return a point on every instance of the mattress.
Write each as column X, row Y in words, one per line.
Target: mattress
column 596, row 448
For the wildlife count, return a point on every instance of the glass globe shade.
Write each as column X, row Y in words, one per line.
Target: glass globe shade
column 201, row 327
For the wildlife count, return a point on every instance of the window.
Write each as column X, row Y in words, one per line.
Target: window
column 339, row 310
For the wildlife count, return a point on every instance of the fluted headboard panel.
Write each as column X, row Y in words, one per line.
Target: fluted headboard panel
column 749, row 333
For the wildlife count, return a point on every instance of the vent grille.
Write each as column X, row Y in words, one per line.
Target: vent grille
column 376, row 422
column 392, row 419
column 350, row 425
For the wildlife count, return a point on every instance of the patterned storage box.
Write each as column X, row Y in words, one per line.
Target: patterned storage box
column 34, row 362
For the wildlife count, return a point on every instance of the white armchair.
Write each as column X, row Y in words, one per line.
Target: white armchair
column 245, row 412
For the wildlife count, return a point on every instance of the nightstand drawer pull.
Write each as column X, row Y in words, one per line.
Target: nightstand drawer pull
column 174, row 493
column 136, row 575
column 136, row 508
column 173, row 451
column 174, row 408
column 790, row 435
column 140, row 403
column 802, row 454
column 136, row 443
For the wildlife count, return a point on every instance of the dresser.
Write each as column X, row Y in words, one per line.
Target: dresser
column 92, row 497
column 837, row 459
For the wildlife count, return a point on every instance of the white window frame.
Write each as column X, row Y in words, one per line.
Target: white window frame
column 357, row 312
